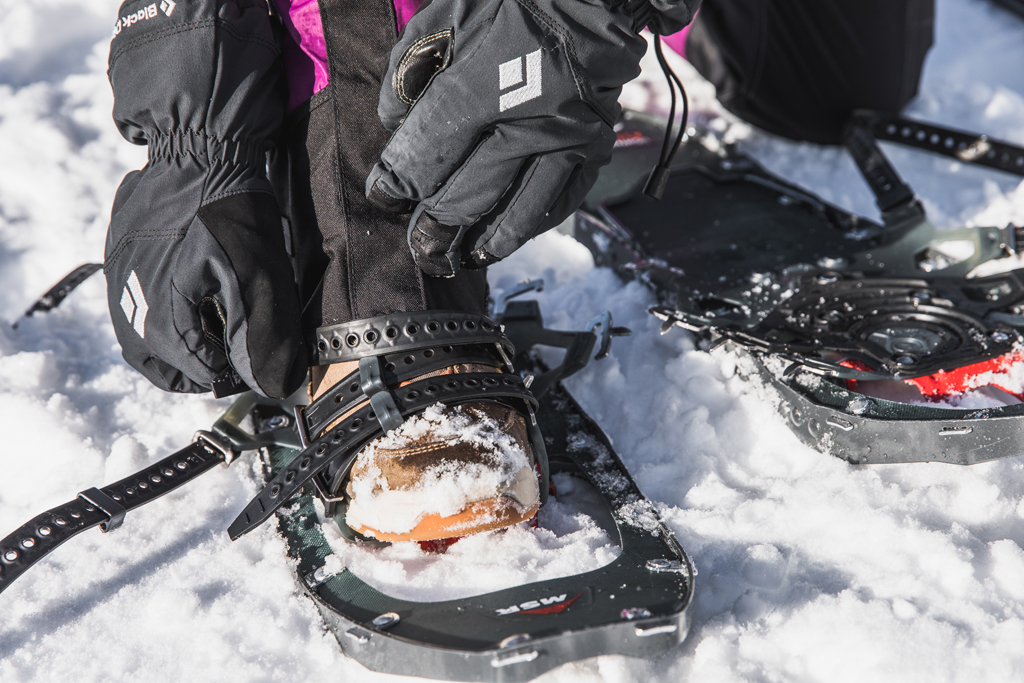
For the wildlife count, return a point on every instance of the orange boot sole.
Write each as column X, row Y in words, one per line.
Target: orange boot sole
column 483, row 515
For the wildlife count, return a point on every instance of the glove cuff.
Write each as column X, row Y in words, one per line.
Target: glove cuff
column 661, row 17
column 206, row 149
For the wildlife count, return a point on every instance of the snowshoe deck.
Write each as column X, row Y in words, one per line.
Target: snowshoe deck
column 821, row 296
column 635, row 606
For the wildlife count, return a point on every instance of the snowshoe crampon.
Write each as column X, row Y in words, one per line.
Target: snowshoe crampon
column 861, row 327
column 636, row 605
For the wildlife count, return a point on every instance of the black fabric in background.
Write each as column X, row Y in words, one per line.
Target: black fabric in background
column 797, row 68
column 353, row 260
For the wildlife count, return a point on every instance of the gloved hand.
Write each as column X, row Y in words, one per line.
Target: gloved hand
column 199, row 282
column 502, row 114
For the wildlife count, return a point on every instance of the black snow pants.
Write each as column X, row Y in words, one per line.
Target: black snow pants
column 353, row 260
column 797, row 68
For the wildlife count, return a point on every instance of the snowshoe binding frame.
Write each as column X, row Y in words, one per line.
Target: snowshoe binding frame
column 819, row 298
column 393, row 351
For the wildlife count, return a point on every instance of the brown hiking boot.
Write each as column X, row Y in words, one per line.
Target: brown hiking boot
column 448, row 472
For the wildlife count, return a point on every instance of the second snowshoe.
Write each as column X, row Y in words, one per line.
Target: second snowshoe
column 861, row 327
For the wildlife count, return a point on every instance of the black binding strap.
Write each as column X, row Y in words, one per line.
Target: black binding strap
column 104, row 507
column 398, row 332
column 348, row 437
column 396, row 368
column 894, row 197
column 57, row 293
column 970, row 148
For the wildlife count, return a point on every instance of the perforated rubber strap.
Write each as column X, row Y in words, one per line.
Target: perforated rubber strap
column 893, row 196
column 398, row 332
column 967, row 147
column 104, row 507
column 351, row 434
column 397, row 368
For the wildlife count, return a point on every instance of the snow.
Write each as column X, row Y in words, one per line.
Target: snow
column 810, row 569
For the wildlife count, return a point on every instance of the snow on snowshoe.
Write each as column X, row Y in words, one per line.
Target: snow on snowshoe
column 862, row 328
column 635, row 605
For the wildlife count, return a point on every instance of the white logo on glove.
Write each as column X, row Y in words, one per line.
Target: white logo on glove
column 510, row 74
column 134, row 304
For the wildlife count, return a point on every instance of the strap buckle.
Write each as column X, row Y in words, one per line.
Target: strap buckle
column 213, row 442
column 111, row 508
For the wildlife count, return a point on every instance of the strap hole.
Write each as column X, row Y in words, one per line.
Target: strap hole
column 487, row 326
column 305, row 463
column 322, row 345
column 336, row 438
column 44, row 531
column 413, row 395
column 412, row 329
column 409, row 360
column 11, row 555
column 472, row 383
column 429, row 353
column 491, row 382
column 321, row 449
column 390, row 367
column 354, row 387
column 469, row 325
column 356, row 424
column 446, row 349
column 371, row 336
column 433, row 326
column 28, row 543
column 155, row 478
column 391, row 332
column 452, row 384
column 336, row 343
column 167, row 472
column 288, row 478
column 431, row 389
column 451, row 326
column 352, row 339
column 60, row 521
column 275, row 490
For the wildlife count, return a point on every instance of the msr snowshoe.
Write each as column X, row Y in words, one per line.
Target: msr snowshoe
column 637, row 605
column 829, row 306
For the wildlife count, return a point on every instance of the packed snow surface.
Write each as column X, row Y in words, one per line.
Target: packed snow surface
column 810, row 569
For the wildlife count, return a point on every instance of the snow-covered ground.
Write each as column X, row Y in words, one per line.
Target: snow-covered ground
column 810, row 569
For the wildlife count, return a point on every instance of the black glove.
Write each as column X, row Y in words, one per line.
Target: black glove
column 199, row 282
column 502, row 112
